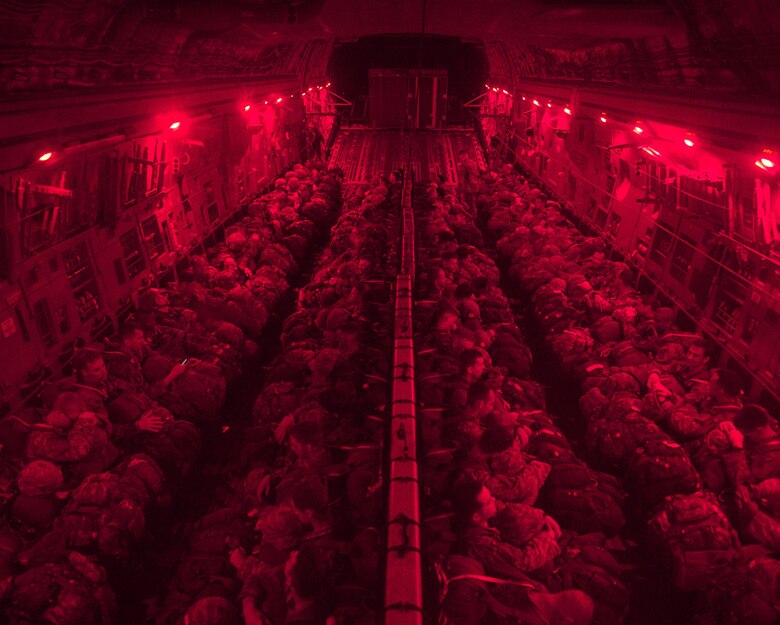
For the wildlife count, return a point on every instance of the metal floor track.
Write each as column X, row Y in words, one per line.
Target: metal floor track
column 364, row 153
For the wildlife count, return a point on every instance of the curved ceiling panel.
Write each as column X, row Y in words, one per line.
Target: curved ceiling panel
column 729, row 44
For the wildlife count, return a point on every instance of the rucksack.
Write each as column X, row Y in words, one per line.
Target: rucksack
column 612, row 442
column 692, row 538
column 658, row 469
column 608, row 592
column 593, row 509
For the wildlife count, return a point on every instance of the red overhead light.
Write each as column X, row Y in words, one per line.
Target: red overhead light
column 303, row 94
column 688, row 142
column 638, row 130
column 536, row 102
column 266, row 102
column 279, row 99
column 495, row 89
column 766, row 162
column 603, row 118
column 328, row 85
column 505, row 92
column 549, row 105
column 523, row 98
column 175, row 126
column 310, row 88
column 487, row 86
column 45, row 156
column 651, row 151
column 247, row 107
column 567, row 110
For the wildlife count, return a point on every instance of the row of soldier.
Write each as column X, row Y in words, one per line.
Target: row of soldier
column 295, row 536
column 519, row 527
column 700, row 466
column 104, row 449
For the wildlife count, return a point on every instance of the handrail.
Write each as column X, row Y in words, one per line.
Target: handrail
column 403, row 568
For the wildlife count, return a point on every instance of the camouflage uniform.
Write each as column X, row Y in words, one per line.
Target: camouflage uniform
column 71, row 591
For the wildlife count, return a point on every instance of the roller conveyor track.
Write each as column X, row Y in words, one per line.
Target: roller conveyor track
column 364, row 153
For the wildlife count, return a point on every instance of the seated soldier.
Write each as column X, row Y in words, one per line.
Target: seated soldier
column 762, row 442
column 295, row 592
column 474, row 507
column 721, row 404
column 471, row 367
column 697, row 373
column 464, row 426
column 89, row 381
column 309, row 459
column 498, row 462
column 466, row 303
column 127, row 363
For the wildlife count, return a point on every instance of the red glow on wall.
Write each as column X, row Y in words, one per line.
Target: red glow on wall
column 45, row 157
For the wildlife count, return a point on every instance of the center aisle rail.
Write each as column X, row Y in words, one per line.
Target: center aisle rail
column 403, row 581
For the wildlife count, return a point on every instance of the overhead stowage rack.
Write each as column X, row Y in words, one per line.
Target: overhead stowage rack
column 403, row 573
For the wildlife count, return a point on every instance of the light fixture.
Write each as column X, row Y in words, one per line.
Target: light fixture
column 651, row 151
column 495, row 89
column 487, row 86
column 567, row 110
column 247, row 107
column 328, row 85
column 505, row 92
column 45, row 156
column 603, row 118
column 768, row 163
column 536, row 102
column 523, row 98
column 638, row 130
column 279, row 99
column 175, row 126
column 688, row 142
column 266, row 102
column 549, row 105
